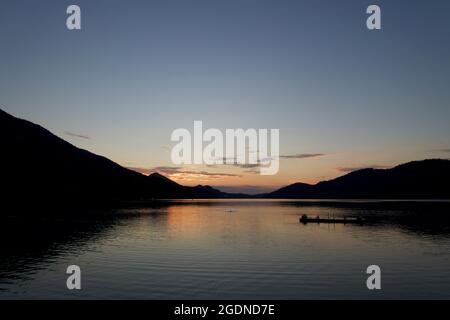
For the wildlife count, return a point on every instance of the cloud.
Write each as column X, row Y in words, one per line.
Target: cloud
column 246, row 165
column 234, row 163
column 351, row 169
column 180, row 173
column 165, row 169
column 442, row 150
column 252, row 168
column 76, row 135
column 253, row 171
column 211, row 174
column 302, row 155
column 145, row 171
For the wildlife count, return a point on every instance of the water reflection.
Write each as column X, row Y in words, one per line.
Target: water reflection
column 229, row 249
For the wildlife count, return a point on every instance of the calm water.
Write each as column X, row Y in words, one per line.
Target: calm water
column 230, row 250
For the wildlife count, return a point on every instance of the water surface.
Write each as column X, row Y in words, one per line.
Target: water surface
column 230, row 249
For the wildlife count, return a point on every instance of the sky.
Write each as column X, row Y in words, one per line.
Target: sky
column 344, row 97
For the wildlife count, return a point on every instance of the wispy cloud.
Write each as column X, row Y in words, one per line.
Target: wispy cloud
column 252, row 168
column 441, row 150
column 209, row 174
column 302, row 155
column 146, row 171
column 165, row 170
column 77, row 135
column 253, row 171
column 234, row 163
column 180, row 173
column 246, row 165
column 351, row 169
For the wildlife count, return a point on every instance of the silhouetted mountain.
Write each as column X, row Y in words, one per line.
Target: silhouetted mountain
column 209, row 192
column 427, row 179
column 159, row 179
column 291, row 191
column 38, row 167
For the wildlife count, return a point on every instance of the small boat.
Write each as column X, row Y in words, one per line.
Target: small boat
column 305, row 219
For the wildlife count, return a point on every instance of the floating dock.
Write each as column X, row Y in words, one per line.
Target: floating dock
column 305, row 219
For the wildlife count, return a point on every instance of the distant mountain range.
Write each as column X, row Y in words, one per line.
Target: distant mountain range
column 40, row 168
column 426, row 179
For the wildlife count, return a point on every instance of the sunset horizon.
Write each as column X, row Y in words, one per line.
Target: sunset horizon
column 234, row 179
column 228, row 159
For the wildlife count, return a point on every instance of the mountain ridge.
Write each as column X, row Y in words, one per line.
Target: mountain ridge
column 40, row 167
column 427, row 179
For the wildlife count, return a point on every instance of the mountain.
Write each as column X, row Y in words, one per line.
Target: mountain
column 426, row 179
column 39, row 167
column 291, row 191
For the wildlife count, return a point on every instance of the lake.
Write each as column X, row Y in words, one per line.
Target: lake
column 229, row 249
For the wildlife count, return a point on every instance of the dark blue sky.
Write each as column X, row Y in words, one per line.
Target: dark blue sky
column 139, row 69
